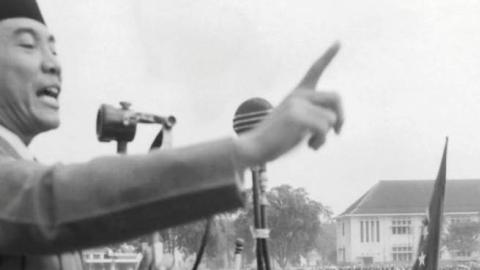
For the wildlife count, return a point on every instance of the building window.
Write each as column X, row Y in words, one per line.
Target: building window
column 401, row 226
column 378, row 231
column 402, row 254
column 366, row 232
column 369, row 231
column 343, row 228
column 341, row 254
column 361, row 231
column 372, row 227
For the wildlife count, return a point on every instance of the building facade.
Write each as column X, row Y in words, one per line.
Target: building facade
column 384, row 225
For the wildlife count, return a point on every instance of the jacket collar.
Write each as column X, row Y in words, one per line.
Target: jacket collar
column 14, row 141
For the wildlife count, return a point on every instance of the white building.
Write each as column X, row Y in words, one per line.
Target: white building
column 384, row 225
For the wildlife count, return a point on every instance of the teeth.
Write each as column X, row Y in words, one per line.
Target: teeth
column 52, row 90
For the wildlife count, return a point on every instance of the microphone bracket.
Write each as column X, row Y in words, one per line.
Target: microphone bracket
column 120, row 124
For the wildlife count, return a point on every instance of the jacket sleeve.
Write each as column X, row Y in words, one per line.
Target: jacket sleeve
column 49, row 209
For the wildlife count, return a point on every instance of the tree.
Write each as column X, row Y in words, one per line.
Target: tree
column 326, row 241
column 294, row 221
column 188, row 238
column 462, row 237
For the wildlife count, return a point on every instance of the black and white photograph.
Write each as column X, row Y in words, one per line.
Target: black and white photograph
column 239, row 135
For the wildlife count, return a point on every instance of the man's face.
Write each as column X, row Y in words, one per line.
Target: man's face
column 30, row 77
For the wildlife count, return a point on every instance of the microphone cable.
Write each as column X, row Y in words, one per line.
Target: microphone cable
column 203, row 244
column 157, row 143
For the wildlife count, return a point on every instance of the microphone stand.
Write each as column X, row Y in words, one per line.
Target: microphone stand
column 247, row 116
column 257, row 218
column 260, row 202
column 122, row 147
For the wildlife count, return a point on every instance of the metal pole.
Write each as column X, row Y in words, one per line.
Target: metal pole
column 122, row 147
column 263, row 213
column 257, row 218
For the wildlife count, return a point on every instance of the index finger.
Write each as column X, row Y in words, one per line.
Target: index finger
column 313, row 74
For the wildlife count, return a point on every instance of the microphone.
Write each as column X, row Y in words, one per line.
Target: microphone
column 120, row 124
column 250, row 113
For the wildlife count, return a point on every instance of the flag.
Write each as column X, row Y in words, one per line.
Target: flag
column 427, row 255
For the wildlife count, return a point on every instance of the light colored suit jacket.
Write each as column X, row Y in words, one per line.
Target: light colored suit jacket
column 47, row 213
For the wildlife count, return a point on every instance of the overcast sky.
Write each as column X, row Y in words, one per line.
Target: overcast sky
column 408, row 71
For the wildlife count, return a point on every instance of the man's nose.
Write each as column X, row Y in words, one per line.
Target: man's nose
column 51, row 65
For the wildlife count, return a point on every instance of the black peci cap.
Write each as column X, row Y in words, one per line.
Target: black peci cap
column 20, row 9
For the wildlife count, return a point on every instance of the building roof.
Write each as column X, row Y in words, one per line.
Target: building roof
column 413, row 196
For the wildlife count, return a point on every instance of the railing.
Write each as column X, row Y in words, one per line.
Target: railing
column 111, row 261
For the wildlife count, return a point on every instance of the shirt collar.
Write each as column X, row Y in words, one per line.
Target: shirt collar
column 16, row 143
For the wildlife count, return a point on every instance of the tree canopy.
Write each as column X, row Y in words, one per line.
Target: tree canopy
column 294, row 221
column 463, row 237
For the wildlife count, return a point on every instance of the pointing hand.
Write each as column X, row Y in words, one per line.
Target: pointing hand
column 304, row 112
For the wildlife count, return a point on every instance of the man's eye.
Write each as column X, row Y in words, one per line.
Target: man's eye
column 27, row 45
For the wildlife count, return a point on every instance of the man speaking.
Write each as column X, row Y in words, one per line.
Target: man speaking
column 49, row 213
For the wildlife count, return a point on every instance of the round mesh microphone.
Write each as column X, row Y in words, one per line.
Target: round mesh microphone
column 250, row 113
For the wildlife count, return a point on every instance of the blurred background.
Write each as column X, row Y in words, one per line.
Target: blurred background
column 408, row 71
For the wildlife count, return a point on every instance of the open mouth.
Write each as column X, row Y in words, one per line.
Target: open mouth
column 50, row 91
